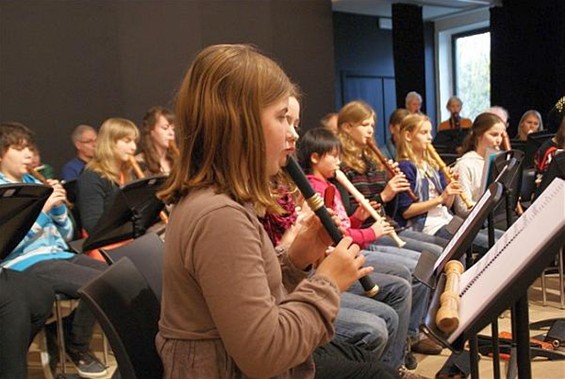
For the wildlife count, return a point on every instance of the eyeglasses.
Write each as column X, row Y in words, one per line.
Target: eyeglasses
column 88, row 141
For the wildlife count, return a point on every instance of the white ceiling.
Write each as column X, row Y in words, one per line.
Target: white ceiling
column 432, row 9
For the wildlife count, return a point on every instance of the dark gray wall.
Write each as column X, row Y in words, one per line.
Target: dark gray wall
column 68, row 62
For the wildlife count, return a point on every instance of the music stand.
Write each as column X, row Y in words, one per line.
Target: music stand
column 503, row 275
column 534, row 142
column 20, row 205
column 429, row 268
column 134, row 209
column 450, row 138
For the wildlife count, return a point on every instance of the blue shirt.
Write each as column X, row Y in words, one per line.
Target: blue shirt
column 72, row 169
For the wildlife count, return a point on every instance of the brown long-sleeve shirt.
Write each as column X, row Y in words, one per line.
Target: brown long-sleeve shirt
column 225, row 311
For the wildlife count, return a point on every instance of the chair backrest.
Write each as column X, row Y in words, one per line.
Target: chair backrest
column 128, row 313
column 528, row 187
column 146, row 253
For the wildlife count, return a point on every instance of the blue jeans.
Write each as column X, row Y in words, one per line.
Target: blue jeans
column 386, row 255
column 394, row 293
column 361, row 322
column 339, row 360
column 415, row 241
column 480, row 241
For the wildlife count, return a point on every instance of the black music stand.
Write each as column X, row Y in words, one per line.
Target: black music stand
column 446, row 141
column 430, row 267
column 134, row 209
column 534, row 142
column 507, row 169
column 20, row 205
column 507, row 271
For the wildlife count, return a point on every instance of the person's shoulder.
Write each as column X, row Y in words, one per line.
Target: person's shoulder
column 405, row 163
column 466, row 123
column 73, row 163
column 88, row 177
column 470, row 155
column 444, row 125
column 206, row 200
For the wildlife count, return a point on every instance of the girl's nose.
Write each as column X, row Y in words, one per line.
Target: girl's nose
column 292, row 134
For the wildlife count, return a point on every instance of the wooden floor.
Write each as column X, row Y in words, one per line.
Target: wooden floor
column 428, row 365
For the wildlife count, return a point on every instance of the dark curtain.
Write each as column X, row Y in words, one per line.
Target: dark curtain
column 527, row 56
column 409, row 53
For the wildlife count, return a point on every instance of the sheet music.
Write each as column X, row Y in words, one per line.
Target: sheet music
column 481, row 283
column 476, row 209
column 487, row 168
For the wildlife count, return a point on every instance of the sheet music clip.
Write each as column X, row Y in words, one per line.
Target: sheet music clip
column 20, row 205
column 429, row 267
column 135, row 208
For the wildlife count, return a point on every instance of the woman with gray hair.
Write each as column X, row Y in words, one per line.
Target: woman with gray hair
column 413, row 102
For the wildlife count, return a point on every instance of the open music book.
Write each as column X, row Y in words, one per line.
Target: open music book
column 514, row 258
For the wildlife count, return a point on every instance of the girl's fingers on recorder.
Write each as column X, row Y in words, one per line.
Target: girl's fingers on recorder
column 342, row 266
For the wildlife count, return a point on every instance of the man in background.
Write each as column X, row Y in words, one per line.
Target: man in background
column 84, row 139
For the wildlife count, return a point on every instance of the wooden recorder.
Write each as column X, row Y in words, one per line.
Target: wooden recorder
column 447, row 316
column 37, row 175
column 342, row 179
column 443, row 167
column 392, row 171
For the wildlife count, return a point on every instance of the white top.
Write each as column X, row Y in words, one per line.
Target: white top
column 438, row 216
column 470, row 169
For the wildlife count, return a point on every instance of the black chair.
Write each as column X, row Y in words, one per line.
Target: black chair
column 128, row 312
column 146, row 253
column 528, row 187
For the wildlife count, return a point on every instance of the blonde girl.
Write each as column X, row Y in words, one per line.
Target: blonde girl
column 107, row 170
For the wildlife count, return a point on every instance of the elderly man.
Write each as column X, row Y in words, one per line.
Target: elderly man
column 84, row 139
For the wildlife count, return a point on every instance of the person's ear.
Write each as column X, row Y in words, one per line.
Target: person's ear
column 407, row 136
column 315, row 158
column 346, row 126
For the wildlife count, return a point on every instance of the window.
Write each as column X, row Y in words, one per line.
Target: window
column 471, row 69
column 448, row 30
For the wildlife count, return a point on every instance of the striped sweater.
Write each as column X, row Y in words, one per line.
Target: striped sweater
column 45, row 240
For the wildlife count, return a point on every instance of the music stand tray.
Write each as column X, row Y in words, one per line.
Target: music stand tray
column 134, row 209
column 20, row 205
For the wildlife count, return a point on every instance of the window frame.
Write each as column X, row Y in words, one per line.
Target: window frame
column 454, row 38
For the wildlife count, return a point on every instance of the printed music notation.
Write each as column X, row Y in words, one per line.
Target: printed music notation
column 511, row 254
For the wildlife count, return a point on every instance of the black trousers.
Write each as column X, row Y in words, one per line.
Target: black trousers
column 341, row 360
column 67, row 276
column 25, row 303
